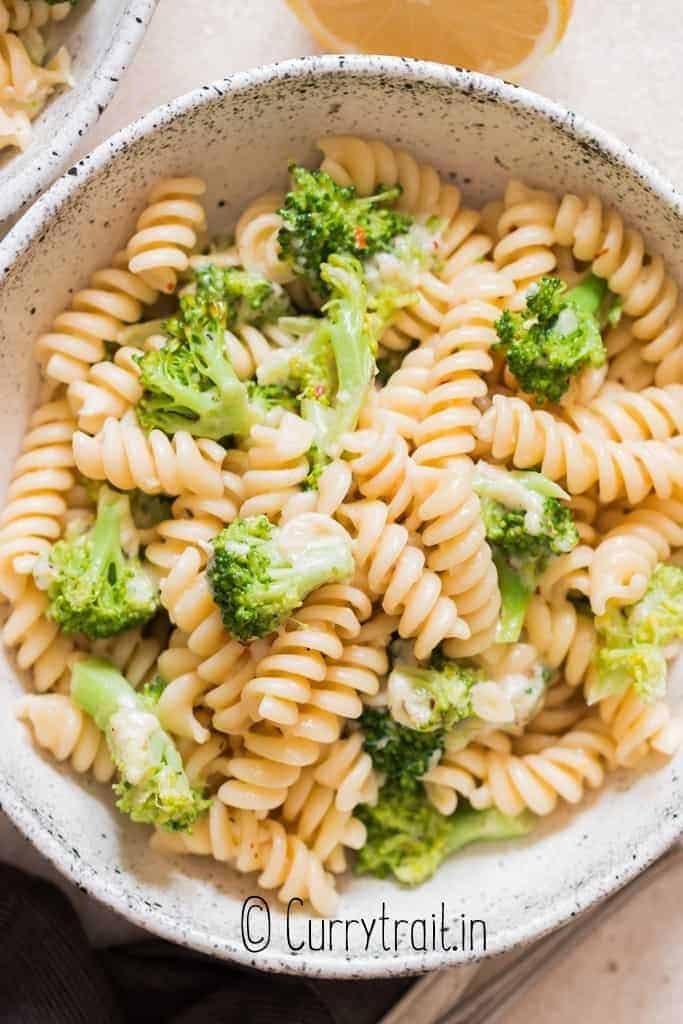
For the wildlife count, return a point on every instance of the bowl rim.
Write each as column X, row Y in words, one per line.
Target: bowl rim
column 21, row 189
column 55, row 848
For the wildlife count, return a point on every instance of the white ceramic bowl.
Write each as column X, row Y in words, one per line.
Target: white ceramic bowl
column 102, row 37
column 240, row 134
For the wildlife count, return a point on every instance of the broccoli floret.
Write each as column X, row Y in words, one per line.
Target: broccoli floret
column 93, row 586
column 153, row 690
column 321, row 218
column 403, row 754
column 190, row 383
column 152, row 787
column 263, row 398
column 658, row 617
column 260, row 573
column 149, row 510
column 526, row 525
column 631, row 639
column 555, row 336
column 331, row 370
column 241, row 296
column 431, row 698
column 408, row 838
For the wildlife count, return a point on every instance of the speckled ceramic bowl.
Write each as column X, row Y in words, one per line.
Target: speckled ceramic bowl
column 102, row 36
column 240, row 133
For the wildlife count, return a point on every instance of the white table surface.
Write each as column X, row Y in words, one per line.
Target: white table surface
column 620, row 64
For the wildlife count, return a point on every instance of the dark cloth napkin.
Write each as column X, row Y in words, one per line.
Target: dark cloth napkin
column 49, row 974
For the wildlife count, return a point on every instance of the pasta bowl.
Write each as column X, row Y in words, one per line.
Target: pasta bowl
column 101, row 38
column 240, row 134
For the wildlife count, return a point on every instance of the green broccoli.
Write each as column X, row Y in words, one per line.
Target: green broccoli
column 430, row 698
column 263, row 398
column 153, row 787
column 554, row 337
column 401, row 753
column 332, row 368
column 259, row 573
column 526, row 525
column 93, row 585
column 631, row 639
column 240, row 296
column 408, row 838
column 321, row 219
column 190, row 383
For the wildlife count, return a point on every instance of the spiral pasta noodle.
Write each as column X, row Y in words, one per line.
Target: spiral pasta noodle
column 243, row 840
column 398, row 406
column 346, row 770
column 135, row 652
column 562, row 637
column 511, row 430
column 381, row 469
column 617, row 415
column 598, row 235
column 461, row 770
column 114, row 297
column 110, row 389
column 312, row 814
column 454, row 536
column 303, row 670
column 25, row 82
column 62, row 729
column 36, row 505
column 167, row 231
column 196, row 520
column 396, row 573
column 449, row 412
column 536, row 781
column 526, row 232
column 17, row 15
column 277, row 465
column 40, row 647
column 122, row 454
column 638, row 728
column 262, row 772
column 256, row 238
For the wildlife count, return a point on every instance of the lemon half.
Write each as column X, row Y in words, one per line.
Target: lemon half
column 500, row 37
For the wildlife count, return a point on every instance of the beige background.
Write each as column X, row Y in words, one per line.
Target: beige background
column 620, row 65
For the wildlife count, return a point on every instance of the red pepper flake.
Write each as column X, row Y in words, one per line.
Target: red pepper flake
column 319, row 390
column 361, row 241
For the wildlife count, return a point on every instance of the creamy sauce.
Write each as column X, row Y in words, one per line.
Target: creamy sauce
column 512, row 493
column 297, row 535
column 408, row 705
column 131, row 729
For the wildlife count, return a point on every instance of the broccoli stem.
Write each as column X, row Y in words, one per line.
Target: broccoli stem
column 589, row 295
column 152, row 787
column 470, row 826
column 100, row 690
column 515, row 598
column 105, row 538
column 353, row 353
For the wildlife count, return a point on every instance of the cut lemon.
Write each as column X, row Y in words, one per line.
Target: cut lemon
column 501, row 37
